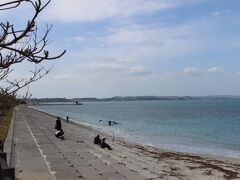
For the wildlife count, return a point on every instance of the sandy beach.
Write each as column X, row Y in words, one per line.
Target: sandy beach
column 40, row 155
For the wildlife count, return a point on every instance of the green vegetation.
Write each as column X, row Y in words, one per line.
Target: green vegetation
column 5, row 122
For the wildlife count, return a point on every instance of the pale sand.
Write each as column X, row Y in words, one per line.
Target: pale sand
column 155, row 163
column 125, row 161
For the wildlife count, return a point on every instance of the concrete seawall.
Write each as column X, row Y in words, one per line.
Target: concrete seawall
column 9, row 142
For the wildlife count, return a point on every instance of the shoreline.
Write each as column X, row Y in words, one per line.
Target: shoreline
column 162, row 162
column 77, row 156
column 110, row 136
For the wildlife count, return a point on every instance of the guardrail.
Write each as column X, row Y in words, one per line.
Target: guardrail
column 6, row 172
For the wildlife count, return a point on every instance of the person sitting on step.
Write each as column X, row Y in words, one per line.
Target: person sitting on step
column 105, row 145
column 97, row 140
column 59, row 134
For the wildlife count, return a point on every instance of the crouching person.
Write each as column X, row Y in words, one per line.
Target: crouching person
column 105, row 145
column 97, row 140
column 59, row 134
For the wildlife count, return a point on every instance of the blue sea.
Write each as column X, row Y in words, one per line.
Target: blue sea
column 196, row 126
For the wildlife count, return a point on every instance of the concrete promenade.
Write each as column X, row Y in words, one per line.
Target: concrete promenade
column 38, row 154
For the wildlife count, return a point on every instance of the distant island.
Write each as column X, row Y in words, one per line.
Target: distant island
column 125, row 98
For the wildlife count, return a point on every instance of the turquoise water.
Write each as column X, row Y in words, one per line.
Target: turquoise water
column 197, row 126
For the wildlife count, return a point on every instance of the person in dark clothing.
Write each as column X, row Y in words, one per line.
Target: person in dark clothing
column 59, row 134
column 97, row 140
column 105, row 145
column 58, row 125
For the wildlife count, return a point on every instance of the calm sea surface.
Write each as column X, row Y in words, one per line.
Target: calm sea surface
column 198, row 126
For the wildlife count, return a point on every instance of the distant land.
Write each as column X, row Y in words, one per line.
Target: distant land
column 127, row 98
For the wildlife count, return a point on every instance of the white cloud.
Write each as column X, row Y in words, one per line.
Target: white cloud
column 119, row 68
column 153, row 42
column 185, row 73
column 215, row 70
column 149, row 34
column 140, row 70
column 101, row 70
column 191, row 72
column 216, row 13
column 77, row 39
column 110, row 67
column 80, row 39
column 65, row 77
column 92, row 10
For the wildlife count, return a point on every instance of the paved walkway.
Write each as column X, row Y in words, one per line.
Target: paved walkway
column 40, row 155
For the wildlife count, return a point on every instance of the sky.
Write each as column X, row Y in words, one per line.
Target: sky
column 139, row 48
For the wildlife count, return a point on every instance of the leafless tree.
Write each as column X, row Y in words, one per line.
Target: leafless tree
column 22, row 45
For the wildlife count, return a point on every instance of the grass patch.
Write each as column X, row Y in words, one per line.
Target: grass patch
column 5, row 122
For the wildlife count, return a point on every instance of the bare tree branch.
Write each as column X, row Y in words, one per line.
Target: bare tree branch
column 11, row 5
column 11, row 39
column 22, row 45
